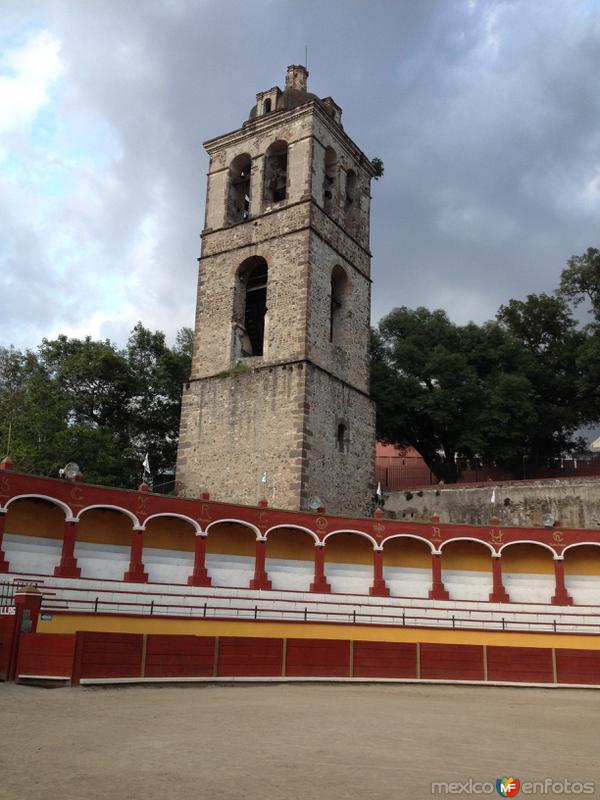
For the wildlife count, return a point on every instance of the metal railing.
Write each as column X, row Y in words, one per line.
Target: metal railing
column 353, row 616
column 7, row 593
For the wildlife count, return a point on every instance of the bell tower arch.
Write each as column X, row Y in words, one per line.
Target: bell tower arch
column 283, row 311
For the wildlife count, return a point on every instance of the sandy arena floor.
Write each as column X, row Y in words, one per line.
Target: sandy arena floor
column 278, row 742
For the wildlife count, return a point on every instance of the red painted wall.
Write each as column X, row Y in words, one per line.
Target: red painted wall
column 246, row 656
column 385, row 660
column 108, row 655
column 318, row 657
column 179, row 656
column 578, row 666
column 530, row 664
column 460, row 662
column 7, row 626
column 46, row 654
column 111, row 655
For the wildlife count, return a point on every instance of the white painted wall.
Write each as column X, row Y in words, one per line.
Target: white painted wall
column 467, row 584
column 407, row 582
column 584, row 589
column 227, row 570
column 287, row 574
column 168, row 566
column 109, row 561
column 34, row 554
column 527, row 588
column 349, row 578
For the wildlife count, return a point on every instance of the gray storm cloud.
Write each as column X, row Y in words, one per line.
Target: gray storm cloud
column 484, row 113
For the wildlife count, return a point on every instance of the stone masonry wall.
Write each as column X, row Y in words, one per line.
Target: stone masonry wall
column 343, row 480
column 575, row 503
column 236, row 428
column 287, row 260
column 346, row 357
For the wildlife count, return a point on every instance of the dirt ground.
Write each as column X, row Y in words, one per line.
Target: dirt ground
column 281, row 742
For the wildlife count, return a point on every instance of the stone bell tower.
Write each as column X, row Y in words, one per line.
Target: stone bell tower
column 278, row 405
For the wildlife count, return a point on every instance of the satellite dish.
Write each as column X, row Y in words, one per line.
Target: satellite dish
column 71, row 470
column 314, row 503
column 548, row 520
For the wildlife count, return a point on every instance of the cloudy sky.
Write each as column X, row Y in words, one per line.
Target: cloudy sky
column 485, row 112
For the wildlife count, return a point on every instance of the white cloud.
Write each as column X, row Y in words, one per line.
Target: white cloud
column 28, row 72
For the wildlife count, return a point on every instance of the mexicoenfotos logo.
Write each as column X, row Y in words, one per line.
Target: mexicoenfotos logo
column 508, row 787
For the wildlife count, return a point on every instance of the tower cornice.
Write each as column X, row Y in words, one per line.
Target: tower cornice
column 273, row 121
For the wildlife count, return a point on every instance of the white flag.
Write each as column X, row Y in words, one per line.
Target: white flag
column 378, row 489
column 493, row 496
column 146, row 464
column 263, row 480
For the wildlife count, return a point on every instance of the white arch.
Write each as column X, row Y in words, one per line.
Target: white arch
column 358, row 533
column 68, row 513
column 130, row 514
column 468, row 539
column 296, row 528
column 196, row 526
column 529, row 541
column 252, row 527
column 579, row 544
column 408, row 536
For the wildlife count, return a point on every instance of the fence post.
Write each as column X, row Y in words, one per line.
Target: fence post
column 28, row 601
column 216, row 657
column 284, row 658
column 144, row 652
column 77, row 658
column 4, row 565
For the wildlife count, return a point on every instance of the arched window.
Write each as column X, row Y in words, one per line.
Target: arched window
column 276, row 159
column 330, row 180
column 339, row 283
column 267, row 106
column 253, row 276
column 238, row 201
column 351, row 203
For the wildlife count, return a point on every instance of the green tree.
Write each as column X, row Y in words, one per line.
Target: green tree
column 581, row 280
column 159, row 373
column 449, row 391
column 32, row 412
column 553, row 344
column 90, row 402
column 500, row 392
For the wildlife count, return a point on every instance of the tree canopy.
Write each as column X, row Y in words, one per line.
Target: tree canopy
column 510, row 393
column 90, row 402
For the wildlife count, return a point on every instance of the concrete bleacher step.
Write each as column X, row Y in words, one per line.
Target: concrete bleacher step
column 87, row 595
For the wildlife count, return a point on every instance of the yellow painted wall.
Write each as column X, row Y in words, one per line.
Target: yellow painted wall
column 406, row 553
column 236, row 540
column 290, row 544
column 467, row 556
column 584, row 560
column 310, row 630
column 35, row 518
column 348, row 548
column 527, row 558
column 169, row 533
column 104, row 526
